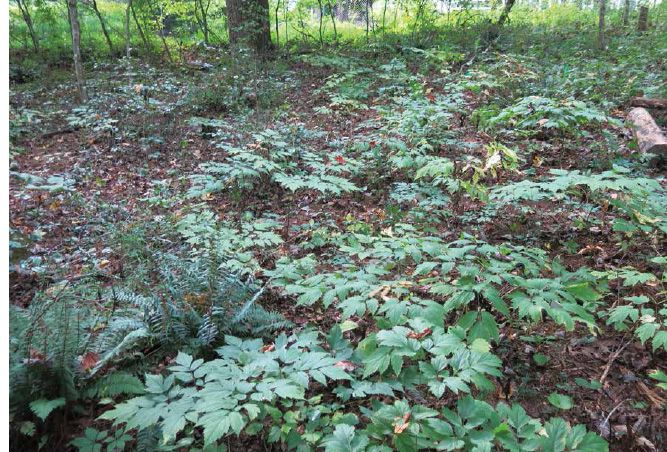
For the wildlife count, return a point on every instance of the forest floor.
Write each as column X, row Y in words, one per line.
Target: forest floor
column 128, row 157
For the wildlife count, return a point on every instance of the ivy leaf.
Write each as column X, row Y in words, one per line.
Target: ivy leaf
column 646, row 331
column 583, row 291
column 43, row 407
column 378, row 361
column 480, row 345
column 660, row 340
column 289, row 390
column 335, row 373
column 236, row 422
column 560, row 401
column 310, row 296
column 424, row 268
column 216, row 425
column 345, row 439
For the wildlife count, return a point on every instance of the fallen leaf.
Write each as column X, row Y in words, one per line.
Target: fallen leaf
column 89, row 360
column 402, row 424
column 346, row 365
column 419, row 336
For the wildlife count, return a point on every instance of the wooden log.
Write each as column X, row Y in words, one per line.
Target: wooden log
column 658, row 104
column 649, row 136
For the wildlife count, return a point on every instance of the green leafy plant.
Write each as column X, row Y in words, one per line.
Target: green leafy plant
column 539, row 113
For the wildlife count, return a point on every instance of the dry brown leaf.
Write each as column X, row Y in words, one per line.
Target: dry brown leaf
column 402, row 424
column 89, row 360
column 419, row 336
column 346, row 365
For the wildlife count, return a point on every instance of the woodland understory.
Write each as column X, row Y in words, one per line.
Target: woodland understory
column 399, row 244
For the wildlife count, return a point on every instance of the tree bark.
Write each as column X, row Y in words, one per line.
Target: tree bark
column 201, row 14
column 319, row 4
column 248, row 24
column 76, row 48
column 103, row 24
column 127, row 28
column 601, row 16
column 25, row 12
column 649, row 136
column 658, row 104
column 509, row 4
column 277, row 29
column 626, row 13
column 642, row 22
column 333, row 20
column 159, row 26
column 139, row 29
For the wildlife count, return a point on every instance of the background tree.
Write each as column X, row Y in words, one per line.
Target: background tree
column 127, row 28
column 601, row 37
column 75, row 31
column 25, row 12
column 642, row 22
column 248, row 24
column 105, row 32
column 201, row 15
column 626, row 13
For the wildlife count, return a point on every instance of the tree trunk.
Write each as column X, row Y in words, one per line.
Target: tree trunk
column 319, row 4
column 127, row 28
column 159, row 26
column 76, row 48
column 25, row 12
column 201, row 14
column 493, row 31
column 248, row 24
column 333, row 20
column 367, row 17
column 601, row 38
column 141, row 30
column 658, row 104
column 277, row 24
column 509, row 4
column 104, row 26
column 642, row 23
column 626, row 13
column 649, row 136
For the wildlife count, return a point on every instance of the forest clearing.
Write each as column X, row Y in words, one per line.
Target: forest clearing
column 337, row 225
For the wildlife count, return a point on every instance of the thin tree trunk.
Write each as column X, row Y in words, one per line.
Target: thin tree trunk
column 333, row 19
column 25, row 12
column 277, row 25
column 76, row 49
column 103, row 25
column 165, row 46
column 286, row 22
column 601, row 38
column 626, row 13
column 139, row 28
column 127, row 28
column 204, row 13
column 319, row 3
column 505, row 14
column 367, row 17
column 203, row 19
